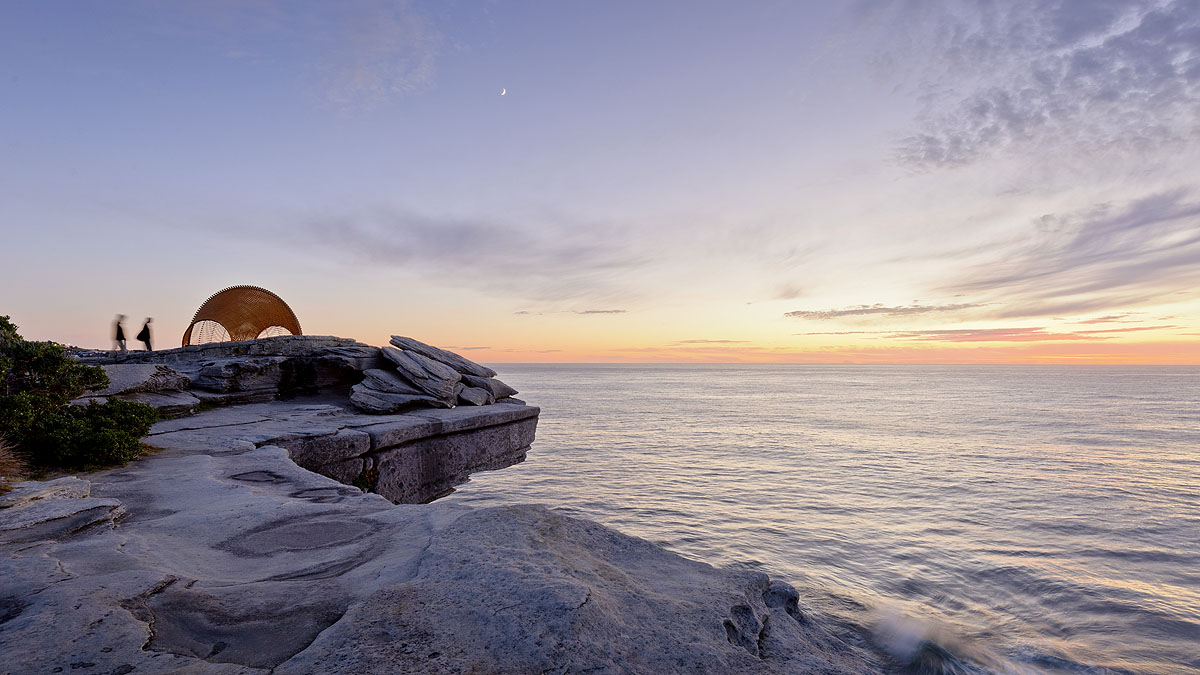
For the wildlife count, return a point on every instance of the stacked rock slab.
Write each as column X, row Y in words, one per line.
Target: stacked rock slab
column 422, row 375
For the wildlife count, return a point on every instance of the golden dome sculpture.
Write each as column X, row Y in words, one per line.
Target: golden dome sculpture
column 241, row 313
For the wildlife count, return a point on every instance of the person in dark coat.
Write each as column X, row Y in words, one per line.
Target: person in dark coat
column 144, row 335
column 119, row 334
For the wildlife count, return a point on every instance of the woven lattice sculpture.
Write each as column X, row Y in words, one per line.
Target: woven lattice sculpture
column 241, row 313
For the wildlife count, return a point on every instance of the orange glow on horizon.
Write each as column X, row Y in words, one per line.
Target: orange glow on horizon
column 1145, row 353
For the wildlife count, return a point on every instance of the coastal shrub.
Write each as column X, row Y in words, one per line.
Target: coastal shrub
column 11, row 466
column 37, row 383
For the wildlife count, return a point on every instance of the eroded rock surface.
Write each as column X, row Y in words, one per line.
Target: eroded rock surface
column 230, row 558
column 411, row 458
column 177, row 381
column 405, row 375
column 426, row 376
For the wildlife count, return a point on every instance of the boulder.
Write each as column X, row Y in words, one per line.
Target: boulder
column 497, row 388
column 476, row 396
column 388, row 381
column 429, row 376
column 451, row 359
column 381, row 402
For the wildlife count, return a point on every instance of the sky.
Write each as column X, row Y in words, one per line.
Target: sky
column 913, row 181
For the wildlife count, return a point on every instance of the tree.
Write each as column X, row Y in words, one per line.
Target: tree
column 38, row 381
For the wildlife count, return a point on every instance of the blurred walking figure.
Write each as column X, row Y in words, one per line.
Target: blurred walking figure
column 144, row 335
column 119, row 334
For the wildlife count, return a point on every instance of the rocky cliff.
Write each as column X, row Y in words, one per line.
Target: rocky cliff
column 215, row 555
column 240, row 546
column 408, row 421
column 405, row 375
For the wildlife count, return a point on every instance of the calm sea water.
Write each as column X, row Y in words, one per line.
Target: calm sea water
column 956, row 519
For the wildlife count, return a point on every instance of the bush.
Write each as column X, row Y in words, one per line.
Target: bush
column 37, row 383
column 11, row 466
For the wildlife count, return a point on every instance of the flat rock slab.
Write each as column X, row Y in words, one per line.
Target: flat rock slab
column 33, row 490
column 56, row 517
column 445, row 445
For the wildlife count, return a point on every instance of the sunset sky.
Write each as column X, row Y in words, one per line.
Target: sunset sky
column 909, row 181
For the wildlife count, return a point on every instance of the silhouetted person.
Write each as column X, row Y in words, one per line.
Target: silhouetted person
column 119, row 334
column 144, row 335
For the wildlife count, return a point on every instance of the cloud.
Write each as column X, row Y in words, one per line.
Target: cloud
column 848, row 332
column 351, row 54
column 466, row 348
column 1089, row 75
column 542, row 262
column 1038, row 334
column 1101, row 258
column 990, row 335
column 709, row 342
column 788, row 292
column 1111, row 318
column 878, row 310
column 526, row 312
column 372, row 51
column 530, row 351
column 1132, row 329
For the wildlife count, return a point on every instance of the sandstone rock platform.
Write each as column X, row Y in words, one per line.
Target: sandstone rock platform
column 228, row 557
column 404, row 375
column 247, row 544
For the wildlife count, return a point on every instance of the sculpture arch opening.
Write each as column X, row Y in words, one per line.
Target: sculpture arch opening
column 241, row 313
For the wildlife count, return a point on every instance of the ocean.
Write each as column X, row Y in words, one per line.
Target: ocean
column 955, row 519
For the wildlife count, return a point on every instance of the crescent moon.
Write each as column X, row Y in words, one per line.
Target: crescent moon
column 503, row 92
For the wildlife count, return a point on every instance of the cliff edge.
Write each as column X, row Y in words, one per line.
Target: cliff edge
column 222, row 553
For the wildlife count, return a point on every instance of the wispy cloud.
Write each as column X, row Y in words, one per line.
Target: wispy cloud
column 878, row 310
column 1080, row 74
column 376, row 50
column 526, row 312
column 351, row 54
column 1023, row 334
column 1132, row 329
column 710, row 342
column 543, row 262
column 990, row 335
column 1111, row 318
column 848, row 332
column 788, row 292
column 531, row 351
column 1102, row 258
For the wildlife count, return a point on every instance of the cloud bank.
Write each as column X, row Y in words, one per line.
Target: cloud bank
column 1080, row 75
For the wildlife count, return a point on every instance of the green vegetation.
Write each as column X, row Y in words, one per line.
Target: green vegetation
column 37, row 382
column 367, row 481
